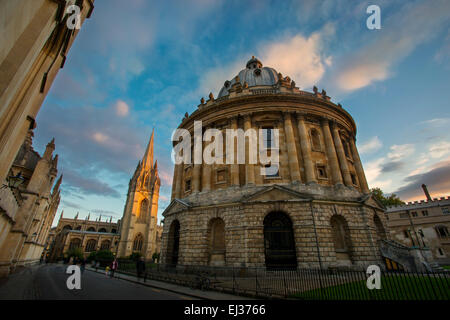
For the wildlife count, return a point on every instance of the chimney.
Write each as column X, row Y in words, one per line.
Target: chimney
column 427, row 194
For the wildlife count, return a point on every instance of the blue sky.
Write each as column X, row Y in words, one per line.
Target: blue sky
column 138, row 65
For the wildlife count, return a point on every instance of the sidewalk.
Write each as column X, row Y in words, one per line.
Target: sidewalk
column 199, row 294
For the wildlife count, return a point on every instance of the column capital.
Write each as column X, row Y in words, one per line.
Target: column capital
column 301, row 114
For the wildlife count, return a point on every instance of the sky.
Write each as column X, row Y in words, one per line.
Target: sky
column 137, row 65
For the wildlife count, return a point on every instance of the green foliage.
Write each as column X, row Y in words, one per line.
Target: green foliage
column 92, row 256
column 386, row 200
column 155, row 256
column 75, row 252
column 135, row 256
column 104, row 255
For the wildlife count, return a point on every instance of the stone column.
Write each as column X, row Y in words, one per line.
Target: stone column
column 358, row 167
column 206, row 176
column 291, row 148
column 196, row 177
column 331, row 153
column 341, row 156
column 234, row 167
column 306, row 150
column 178, row 180
column 249, row 168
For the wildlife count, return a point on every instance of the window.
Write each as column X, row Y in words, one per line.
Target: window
column 102, row 230
column 92, row 229
column 91, row 245
column 414, row 213
column 187, row 186
column 441, row 253
column 425, row 213
column 75, row 243
column 315, row 140
column 106, row 244
column 404, row 215
column 137, row 243
column 353, row 176
column 321, row 172
column 143, row 211
column 406, row 234
column 446, row 210
column 221, row 176
column 346, row 150
column 268, row 137
column 442, row 231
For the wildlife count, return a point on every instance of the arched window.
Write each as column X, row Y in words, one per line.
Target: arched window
column 217, row 241
column 78, row 228
column 137, row 243
column 91, row 245
column 143, row 210
column 315, row 140
column 173, row 243
column 381, row 233
column 105, row 245
column 67, row 227
column 91, row 229
column 102, row 230
column 346, row 149
column 113, row 231
column 279, row 243
column 341, row 237
column 75, row 243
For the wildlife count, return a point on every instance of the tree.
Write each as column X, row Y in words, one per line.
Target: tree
column 75, row 252
column 386, row 200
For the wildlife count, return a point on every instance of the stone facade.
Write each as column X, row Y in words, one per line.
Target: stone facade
column 34, row 206
column 423, row 225
column 34, row 41
column 139, row 231
column 316, row 211
column 86, row 234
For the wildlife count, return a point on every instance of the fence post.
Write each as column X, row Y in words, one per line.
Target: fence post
column 284, row 281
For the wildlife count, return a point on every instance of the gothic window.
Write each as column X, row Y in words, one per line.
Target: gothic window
column 315, row 140
column 91, row 229
column 341, row 234
column 137, row 243
column 106, row 244
column 91, row 245
column 102, row 230
column 75, row 243
column 67, row 227
column 143, row 211
column 442, row 231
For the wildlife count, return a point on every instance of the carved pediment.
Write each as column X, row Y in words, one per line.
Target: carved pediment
column 276, row 193
column 175, row 206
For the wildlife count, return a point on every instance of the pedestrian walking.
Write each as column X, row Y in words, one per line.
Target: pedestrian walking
column 82, row 265
column 140, row 267
column 114, row 266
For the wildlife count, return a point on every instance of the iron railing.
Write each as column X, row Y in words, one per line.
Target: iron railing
column 309, row 284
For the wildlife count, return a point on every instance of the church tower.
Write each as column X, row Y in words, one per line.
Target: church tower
column 138, row 230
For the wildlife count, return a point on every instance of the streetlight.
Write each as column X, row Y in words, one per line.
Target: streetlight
column 14, row 181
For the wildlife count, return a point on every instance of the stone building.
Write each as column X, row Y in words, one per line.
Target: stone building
column 34, row 204
column 315, row 211
column 424, row 225
column 89, row 235
column 35, row 41
column 139, row 231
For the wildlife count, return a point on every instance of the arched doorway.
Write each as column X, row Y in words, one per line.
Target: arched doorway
column 217, row 242
column 173, row 244
column 279, row 243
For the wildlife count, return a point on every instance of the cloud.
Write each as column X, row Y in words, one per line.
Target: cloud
column 88, row 186
column 72, row 205
column 439, row 149
column 401, row 33
column 122, row 108
column 392, row 166
column 302, row 58
column 437, row 122
column 370, row 146
column 437, row 180
column 399, row 152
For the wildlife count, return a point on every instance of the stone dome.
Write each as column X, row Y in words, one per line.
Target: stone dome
column 254, row 74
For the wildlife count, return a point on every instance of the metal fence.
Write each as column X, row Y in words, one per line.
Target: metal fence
column 308, row 284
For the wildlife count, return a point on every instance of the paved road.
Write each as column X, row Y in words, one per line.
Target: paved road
column 49, row 282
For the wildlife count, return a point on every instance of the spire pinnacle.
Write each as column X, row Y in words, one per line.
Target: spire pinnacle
column 147, row 160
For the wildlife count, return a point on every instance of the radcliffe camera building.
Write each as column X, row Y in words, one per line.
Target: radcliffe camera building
column 315, row 211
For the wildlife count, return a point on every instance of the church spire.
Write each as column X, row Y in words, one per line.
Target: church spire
column 147, row 160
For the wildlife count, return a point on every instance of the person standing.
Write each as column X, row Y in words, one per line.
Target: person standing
column 114, row 266
column 140, row 267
